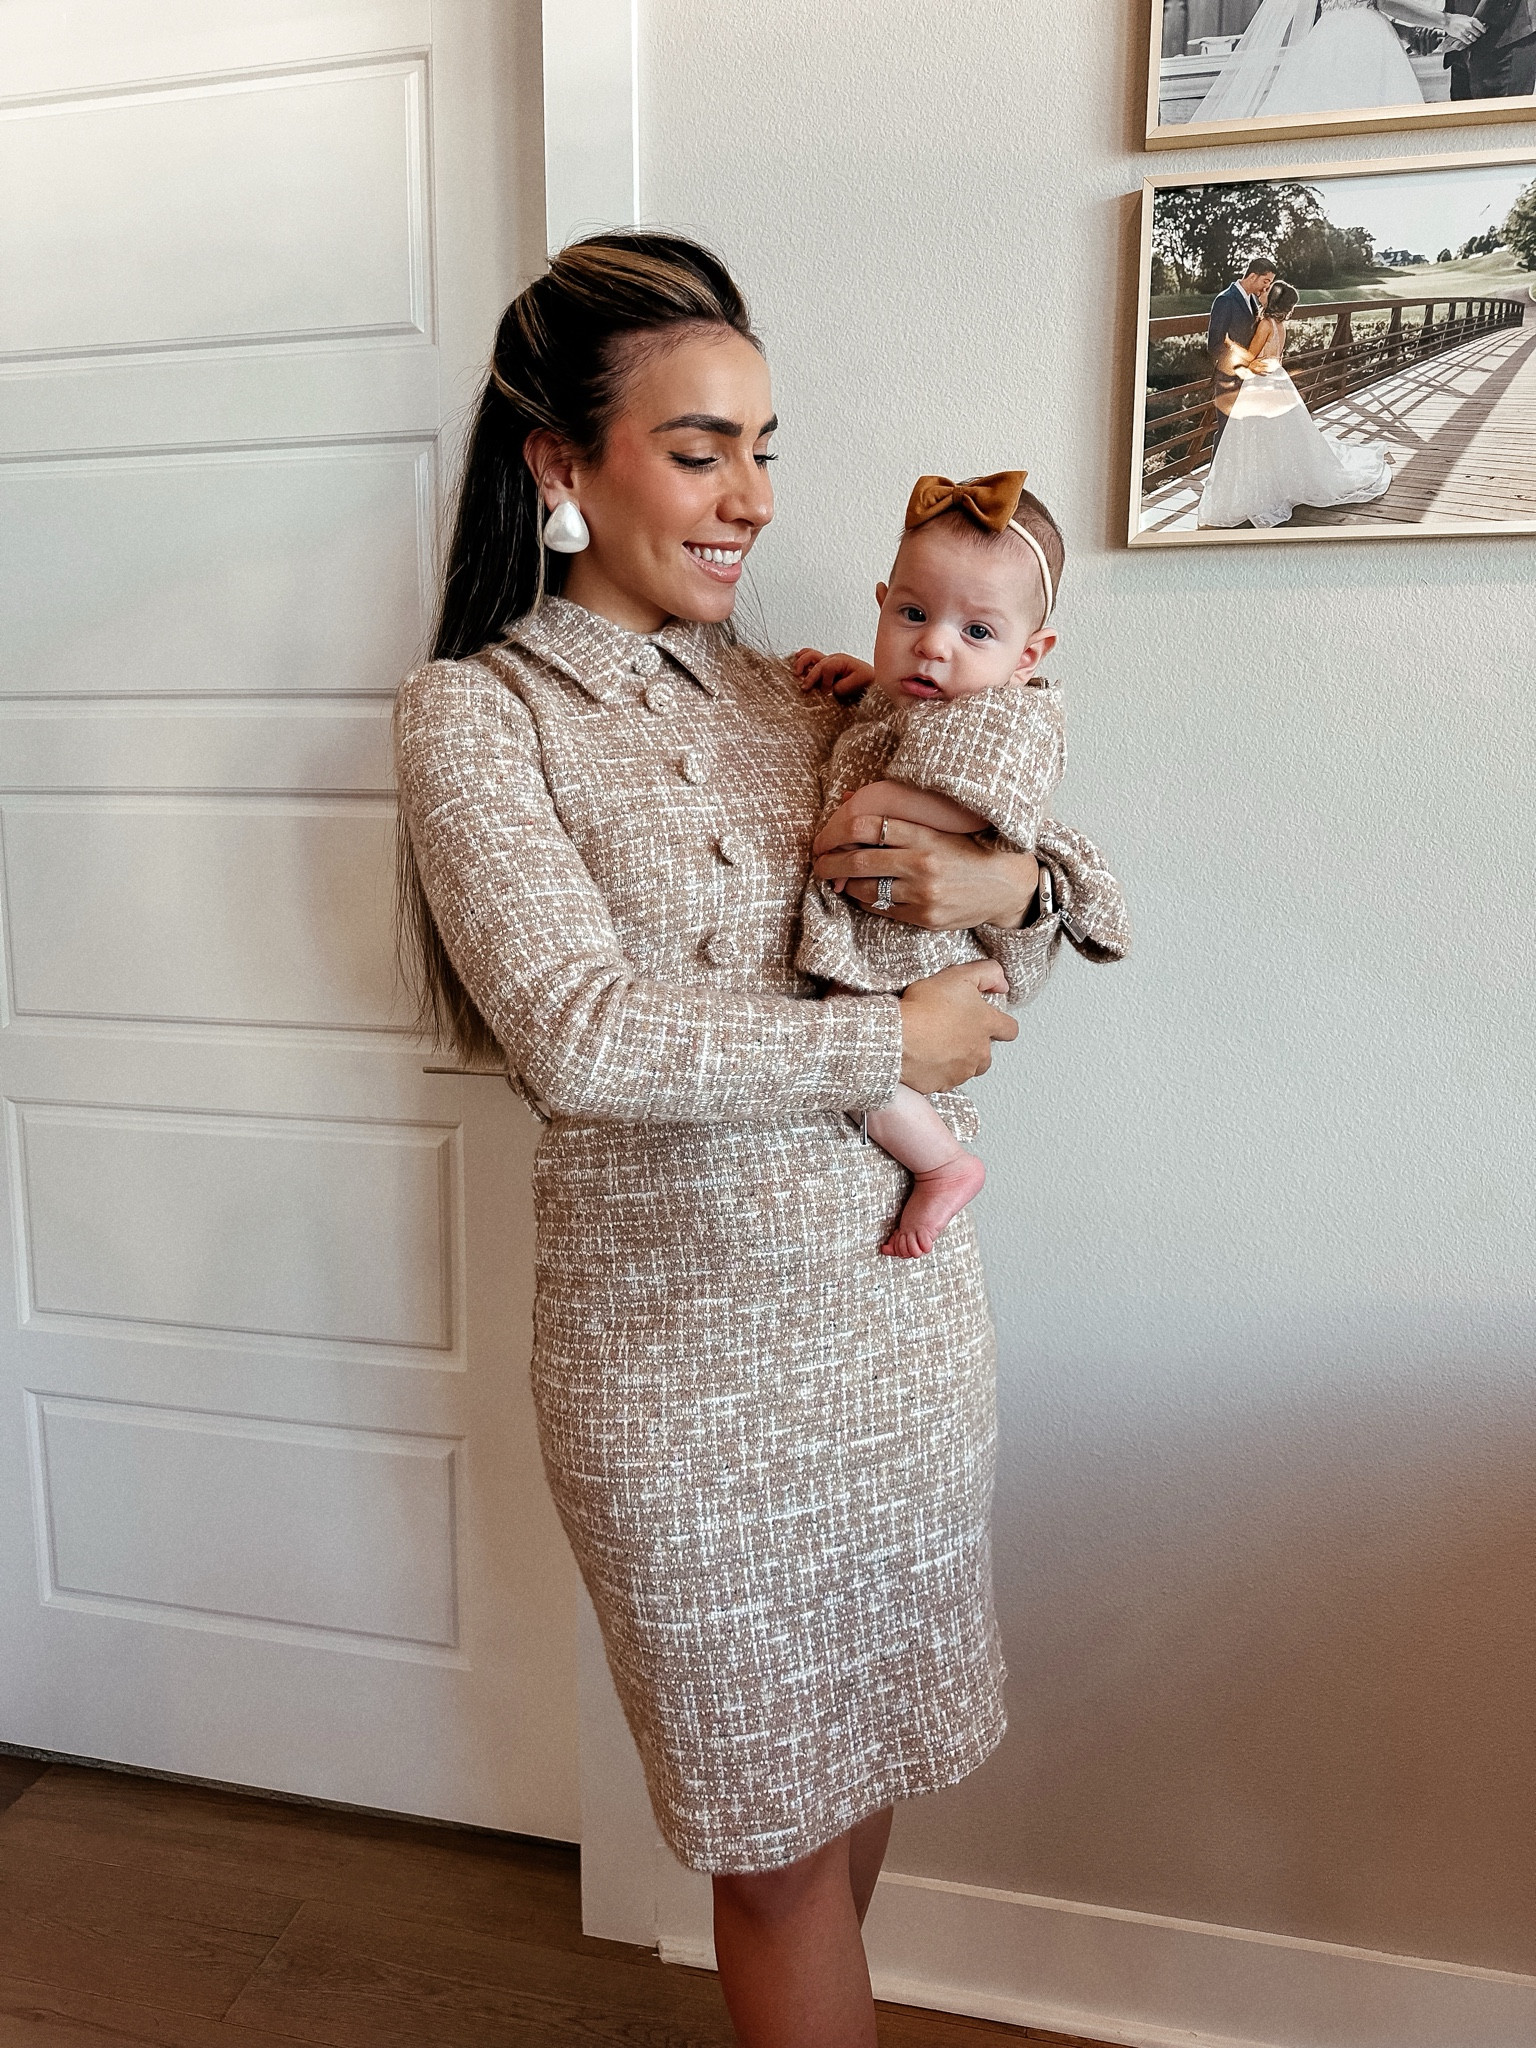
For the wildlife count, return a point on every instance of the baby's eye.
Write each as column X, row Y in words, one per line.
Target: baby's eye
column 976, row 631
column 913, row 614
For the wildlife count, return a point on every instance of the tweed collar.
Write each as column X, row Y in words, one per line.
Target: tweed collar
column 608, row 661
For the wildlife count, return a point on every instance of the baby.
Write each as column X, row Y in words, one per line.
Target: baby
column 956, row 731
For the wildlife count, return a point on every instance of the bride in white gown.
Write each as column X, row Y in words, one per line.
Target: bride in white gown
column 1322, row 56
column 1272, row 455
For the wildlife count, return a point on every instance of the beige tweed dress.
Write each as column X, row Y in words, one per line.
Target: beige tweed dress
column 771, row 1448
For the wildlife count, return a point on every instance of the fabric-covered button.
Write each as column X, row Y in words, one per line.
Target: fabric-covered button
column 693, row 767
column 729, row 849
column 659, row 696
column 719, row 949
column 646, row 661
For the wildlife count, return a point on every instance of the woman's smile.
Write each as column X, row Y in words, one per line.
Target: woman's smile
column 721, row 563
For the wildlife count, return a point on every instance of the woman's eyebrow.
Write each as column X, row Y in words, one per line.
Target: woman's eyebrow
column 712, row 423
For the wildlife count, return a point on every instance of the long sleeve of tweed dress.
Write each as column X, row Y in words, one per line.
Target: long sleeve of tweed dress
column 1002, row 754
column 534, row 941
column 999, row 752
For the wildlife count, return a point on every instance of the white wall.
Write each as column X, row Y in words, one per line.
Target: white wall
column 1260, row 1215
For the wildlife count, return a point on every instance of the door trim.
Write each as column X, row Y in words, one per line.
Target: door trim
column 591, row 117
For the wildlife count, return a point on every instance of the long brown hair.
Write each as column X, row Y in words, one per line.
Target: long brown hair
column 564, row 349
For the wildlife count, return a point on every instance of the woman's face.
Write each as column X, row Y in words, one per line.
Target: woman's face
column 681, row 489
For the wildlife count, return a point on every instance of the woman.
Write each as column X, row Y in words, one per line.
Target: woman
column 1272, row 455
column 772, row 1454
column 1323, row 56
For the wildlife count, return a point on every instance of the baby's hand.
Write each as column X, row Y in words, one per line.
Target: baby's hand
column 842, row 676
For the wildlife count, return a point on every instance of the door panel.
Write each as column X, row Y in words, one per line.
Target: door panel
column 201, row 909
column 310, row 564
column 128, row 1216
column 193, row 215
column 271, row 1505
column 319, row 1531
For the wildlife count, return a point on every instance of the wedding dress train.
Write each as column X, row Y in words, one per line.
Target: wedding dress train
column 1273, row 456
column 1287, row 63
column 1352, row 58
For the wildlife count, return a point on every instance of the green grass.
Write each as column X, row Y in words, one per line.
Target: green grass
column 1440, row 280
column 1478, row 274
column 1166, row 304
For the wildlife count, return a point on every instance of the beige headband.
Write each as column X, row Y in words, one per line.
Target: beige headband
column 1045, row 568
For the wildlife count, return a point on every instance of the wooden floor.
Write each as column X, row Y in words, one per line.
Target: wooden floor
column 170, row 1916
column 1461, row 429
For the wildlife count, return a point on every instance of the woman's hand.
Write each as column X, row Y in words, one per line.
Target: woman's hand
column 1459, row 31
column 842, row 676
column 942, row 881
column 948, row 1026
column 893, row 800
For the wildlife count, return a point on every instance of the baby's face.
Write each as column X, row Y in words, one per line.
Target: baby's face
column 956, row 618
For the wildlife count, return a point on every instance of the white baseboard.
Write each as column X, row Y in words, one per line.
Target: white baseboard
column 1141, row 1980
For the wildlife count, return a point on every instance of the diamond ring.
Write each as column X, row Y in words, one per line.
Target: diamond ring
column 883, row 893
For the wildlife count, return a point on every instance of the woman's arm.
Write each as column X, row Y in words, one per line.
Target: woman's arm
column 950, row 883
column 995, row 756
column 532, row 939
column 942, row 881
column 1254, row 363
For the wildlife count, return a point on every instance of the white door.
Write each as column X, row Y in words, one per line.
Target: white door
column 271, row 1507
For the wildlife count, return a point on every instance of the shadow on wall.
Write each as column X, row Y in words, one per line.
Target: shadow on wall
column 1310, row 1633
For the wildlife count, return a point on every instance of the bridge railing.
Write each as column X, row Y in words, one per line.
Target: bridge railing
column 1181, row 420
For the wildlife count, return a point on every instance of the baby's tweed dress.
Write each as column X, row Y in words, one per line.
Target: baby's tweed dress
column 771, row 1448
column 999, row 753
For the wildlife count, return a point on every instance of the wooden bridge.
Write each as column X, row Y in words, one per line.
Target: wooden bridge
column 1181, row 421
column 1459, row 420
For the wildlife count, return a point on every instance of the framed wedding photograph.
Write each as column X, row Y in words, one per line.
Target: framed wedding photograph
column 1255, row 70
column 1337, row 352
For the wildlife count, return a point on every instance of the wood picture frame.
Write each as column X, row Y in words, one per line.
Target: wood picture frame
column 1192, row 42
column 1422, row 375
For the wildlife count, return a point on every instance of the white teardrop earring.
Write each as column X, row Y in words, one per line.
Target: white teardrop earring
column 565, row 531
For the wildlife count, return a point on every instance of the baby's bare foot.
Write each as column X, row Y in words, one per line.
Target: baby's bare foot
column 936, row 1199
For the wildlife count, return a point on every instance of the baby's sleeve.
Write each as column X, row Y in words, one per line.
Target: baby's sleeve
column 1000, row 753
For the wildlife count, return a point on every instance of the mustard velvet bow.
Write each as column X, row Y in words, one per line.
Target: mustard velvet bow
column 990, row 500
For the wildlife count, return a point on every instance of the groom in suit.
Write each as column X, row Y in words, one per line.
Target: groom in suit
column 1501, row 64
column 1234, row 316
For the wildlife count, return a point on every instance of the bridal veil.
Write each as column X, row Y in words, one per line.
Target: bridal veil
column 1280, row 26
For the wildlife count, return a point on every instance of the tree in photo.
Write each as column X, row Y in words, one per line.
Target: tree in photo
column 1203, row 235
column 1520, row 227
column 1313, row 252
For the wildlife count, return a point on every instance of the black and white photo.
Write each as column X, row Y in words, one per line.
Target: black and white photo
column 1233, row 70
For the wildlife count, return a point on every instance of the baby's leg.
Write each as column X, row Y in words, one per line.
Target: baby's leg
column 944, row 1175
